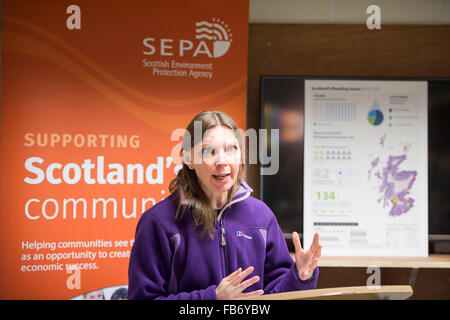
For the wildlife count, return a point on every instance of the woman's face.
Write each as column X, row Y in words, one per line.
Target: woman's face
column 216, row 161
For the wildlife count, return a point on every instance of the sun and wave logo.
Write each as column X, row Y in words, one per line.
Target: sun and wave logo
column 218, row 32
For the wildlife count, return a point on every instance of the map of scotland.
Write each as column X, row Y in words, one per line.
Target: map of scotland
column 394, row 184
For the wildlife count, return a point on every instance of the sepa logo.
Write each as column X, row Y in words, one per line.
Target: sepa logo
column 212, row 39
column 218, row 32
column 241, row 234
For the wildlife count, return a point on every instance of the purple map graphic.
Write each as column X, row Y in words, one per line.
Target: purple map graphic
column 395, row 184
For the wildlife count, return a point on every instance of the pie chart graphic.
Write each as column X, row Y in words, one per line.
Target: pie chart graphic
column 375, row 117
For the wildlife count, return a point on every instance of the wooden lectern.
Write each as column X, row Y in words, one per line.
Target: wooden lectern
column 344, row 293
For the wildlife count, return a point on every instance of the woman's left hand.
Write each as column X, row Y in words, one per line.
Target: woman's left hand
column 306, row 261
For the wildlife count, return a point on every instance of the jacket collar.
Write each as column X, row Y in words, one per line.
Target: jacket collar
column 244, row 189
column 241, row 194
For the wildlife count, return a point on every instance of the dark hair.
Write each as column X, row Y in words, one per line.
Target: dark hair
column 121, row 293
column 186, row 184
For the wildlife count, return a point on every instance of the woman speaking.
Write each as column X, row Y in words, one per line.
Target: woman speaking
column 210, row 239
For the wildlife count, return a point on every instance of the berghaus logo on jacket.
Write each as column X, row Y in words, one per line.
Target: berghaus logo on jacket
column 241, row 234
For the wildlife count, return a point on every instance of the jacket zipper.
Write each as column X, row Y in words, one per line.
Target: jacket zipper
column 223, row 242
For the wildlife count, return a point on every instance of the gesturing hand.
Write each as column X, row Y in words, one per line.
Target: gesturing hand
column 231, row 287
column 306, row 261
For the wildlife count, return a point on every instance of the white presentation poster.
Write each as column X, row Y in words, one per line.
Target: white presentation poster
column 365, row 174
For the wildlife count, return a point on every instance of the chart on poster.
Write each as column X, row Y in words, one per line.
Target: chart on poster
column 365, row 174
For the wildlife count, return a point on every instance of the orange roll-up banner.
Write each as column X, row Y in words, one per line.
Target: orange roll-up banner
column 92, row 95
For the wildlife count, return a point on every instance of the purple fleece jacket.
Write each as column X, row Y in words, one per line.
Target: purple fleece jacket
column 169, row 260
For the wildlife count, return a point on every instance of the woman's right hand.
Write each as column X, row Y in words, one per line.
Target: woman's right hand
column 231, row 287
